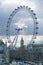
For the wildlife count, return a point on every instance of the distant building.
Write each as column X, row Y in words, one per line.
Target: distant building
column 2, row 52
column 22, row 42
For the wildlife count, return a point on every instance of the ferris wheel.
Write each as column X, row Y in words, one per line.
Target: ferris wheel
column 20, row 23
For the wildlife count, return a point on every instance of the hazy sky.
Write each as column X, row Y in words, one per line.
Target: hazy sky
column 7, row 6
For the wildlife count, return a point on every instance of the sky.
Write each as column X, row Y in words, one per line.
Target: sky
column 7, row 6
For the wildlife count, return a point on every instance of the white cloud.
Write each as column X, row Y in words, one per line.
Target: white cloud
column 22, row 23
column 7, row 4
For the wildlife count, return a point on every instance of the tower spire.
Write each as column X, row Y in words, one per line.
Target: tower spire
column 22, row 42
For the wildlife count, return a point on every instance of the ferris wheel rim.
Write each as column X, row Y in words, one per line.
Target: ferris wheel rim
column 33, row 17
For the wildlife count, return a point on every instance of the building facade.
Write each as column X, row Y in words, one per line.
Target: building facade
column 2, row 53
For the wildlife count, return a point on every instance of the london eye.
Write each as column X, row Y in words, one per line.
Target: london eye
column 22, row 21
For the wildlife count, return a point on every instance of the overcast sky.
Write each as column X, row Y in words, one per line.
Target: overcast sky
column 7, row 6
